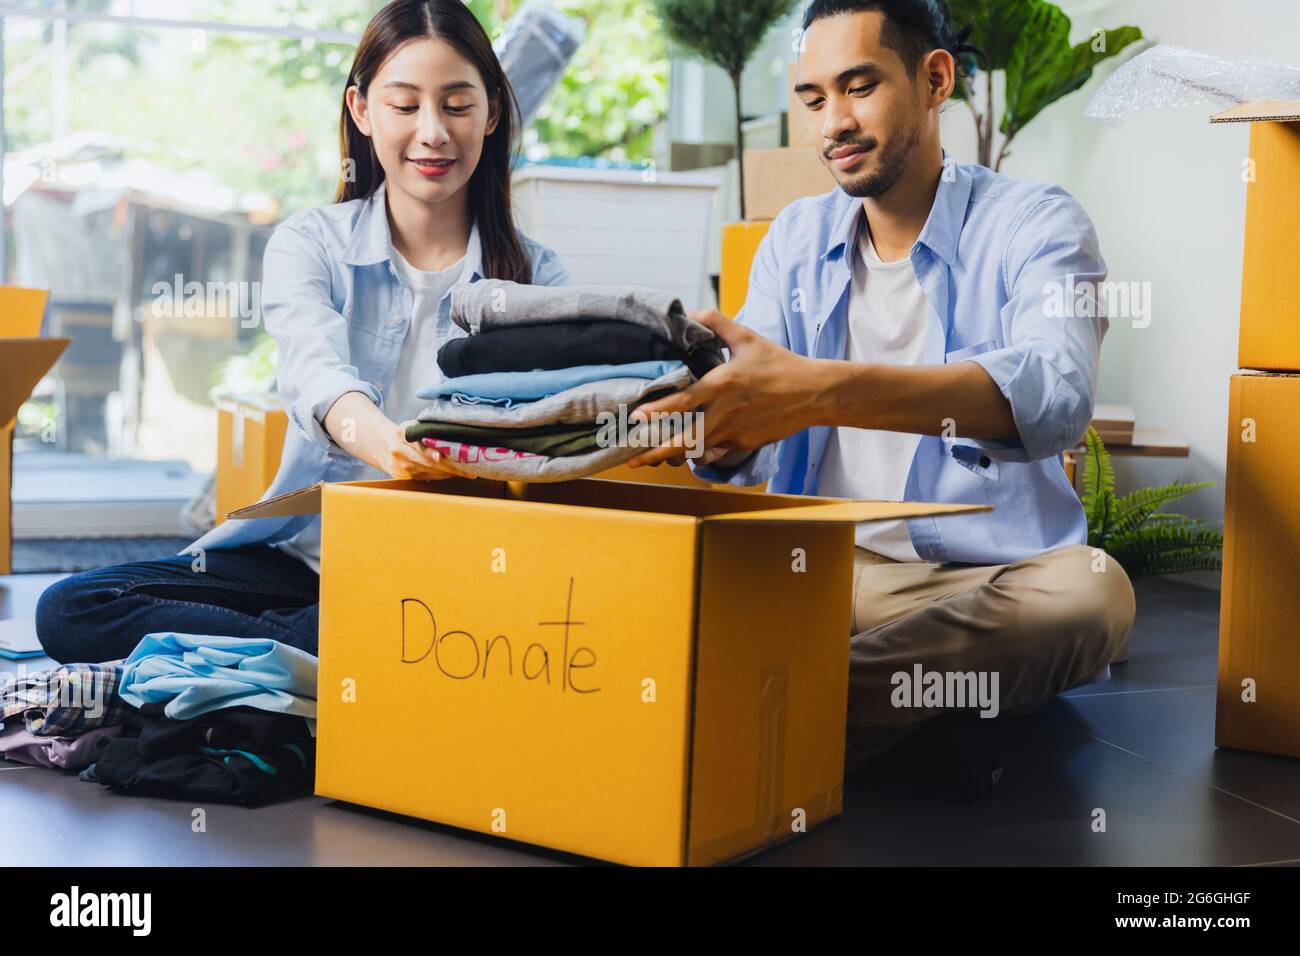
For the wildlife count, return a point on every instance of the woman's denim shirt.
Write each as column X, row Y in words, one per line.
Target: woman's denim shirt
column 339, row 314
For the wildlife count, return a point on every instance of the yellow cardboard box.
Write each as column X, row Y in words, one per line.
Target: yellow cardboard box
column 774, row 178
column 1270, row 313
column 250, row 441
column 1259, row 656
column 24, row 359
column 740, row 242
column 640, row 673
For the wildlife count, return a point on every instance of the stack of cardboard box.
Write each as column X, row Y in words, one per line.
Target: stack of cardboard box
column 24, row 358
column 1114, row 424
column 646, row 675
column 1259, row 643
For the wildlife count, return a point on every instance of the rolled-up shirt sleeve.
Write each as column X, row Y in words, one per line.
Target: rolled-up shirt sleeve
column 314, row 363
column 763, row 313
column 1053, row 324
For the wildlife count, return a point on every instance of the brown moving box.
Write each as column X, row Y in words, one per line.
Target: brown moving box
column 24, row 359
column 1270, row 310
column 774, row 178
column 1114, row 423
column 1259, row 653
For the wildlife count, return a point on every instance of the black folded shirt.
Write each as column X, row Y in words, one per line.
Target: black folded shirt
column 557, row 345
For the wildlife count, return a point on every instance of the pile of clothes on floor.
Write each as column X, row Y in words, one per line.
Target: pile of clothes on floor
column 221, row 719
column 532, row 390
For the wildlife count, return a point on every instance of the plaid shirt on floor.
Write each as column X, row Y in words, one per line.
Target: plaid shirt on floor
column 65, row 701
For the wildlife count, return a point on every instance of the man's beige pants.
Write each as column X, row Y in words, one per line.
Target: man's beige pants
column 1043, row 625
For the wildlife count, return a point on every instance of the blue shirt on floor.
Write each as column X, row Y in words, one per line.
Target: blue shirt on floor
column 1012, row 271
column 194, row 674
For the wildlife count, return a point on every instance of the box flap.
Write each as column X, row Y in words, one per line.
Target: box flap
column 304, row 501
column 844, row 511
column 307, row 501
column 22, row 363
column 21, row 311
column 1274, row 111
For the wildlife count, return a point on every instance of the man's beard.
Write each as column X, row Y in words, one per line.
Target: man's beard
column 893, row 161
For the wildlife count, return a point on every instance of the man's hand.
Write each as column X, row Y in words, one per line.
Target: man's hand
column 764, row 394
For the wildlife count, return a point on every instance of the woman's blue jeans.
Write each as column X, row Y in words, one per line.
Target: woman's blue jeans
column 250, row 591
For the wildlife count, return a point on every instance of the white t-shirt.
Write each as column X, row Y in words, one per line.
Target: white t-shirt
column 417, row 368
column 888, row 315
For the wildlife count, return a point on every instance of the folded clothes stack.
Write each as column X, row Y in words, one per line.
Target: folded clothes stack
column 199, row 718
column 544, row 372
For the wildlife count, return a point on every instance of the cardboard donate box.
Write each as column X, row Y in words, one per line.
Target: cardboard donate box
column 24, row 359
column 646, row 674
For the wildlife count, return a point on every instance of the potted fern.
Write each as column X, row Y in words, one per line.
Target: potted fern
column 1132, row 529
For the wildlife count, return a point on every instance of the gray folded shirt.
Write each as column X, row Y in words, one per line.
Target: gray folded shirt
column 573, row 406
column 499, row 304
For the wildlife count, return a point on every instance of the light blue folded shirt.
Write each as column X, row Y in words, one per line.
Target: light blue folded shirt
column 509, row 388
column 195, row 674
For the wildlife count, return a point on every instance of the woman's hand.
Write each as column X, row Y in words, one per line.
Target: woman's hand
column 404, row 459
column 357, row 425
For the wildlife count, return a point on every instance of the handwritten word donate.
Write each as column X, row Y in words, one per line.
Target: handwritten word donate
column 460, row 655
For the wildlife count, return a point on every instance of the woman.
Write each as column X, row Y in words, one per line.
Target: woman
column 356, row 295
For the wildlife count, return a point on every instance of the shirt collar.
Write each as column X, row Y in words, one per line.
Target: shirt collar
column 372, row 242
column 942, row 227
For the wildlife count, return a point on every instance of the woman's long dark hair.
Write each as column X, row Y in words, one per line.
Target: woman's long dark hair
column 489, row 186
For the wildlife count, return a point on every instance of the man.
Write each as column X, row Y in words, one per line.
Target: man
column 903, row 340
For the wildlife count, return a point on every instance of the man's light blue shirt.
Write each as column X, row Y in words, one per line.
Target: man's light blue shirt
column 1011, row 269
column 339, row 314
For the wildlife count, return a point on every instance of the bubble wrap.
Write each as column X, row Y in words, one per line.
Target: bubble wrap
column 1166, row 76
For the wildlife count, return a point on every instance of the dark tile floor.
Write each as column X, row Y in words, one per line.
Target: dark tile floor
column 1138, row 748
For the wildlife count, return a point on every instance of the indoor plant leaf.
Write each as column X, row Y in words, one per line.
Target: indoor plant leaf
column 1039, row 81
column 1041, row 48
column 996, row 26
column 1140, row 505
